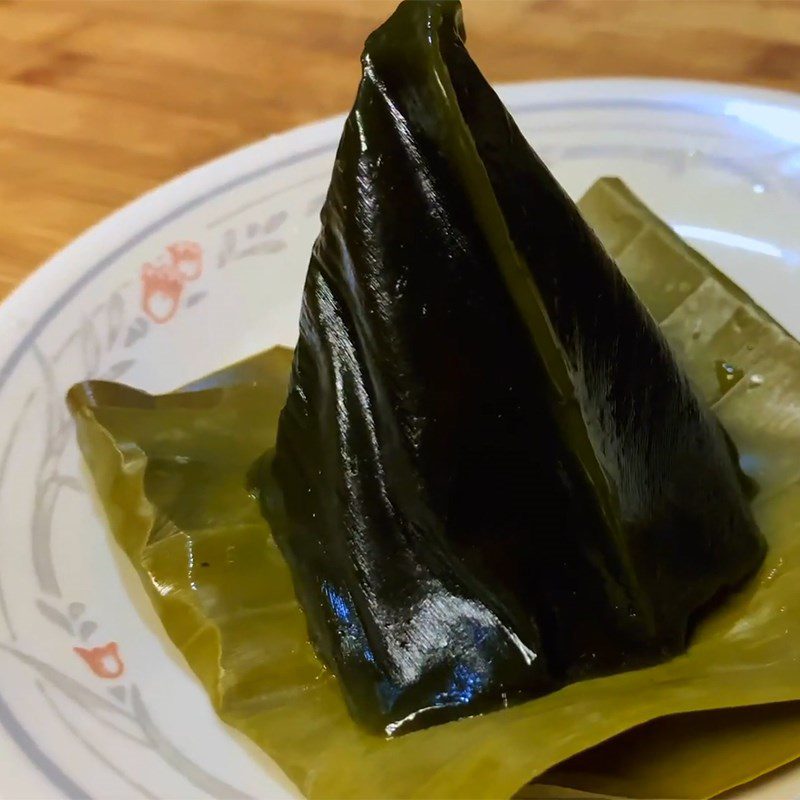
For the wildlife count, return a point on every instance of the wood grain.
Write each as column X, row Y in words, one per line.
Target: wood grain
column 101, row 100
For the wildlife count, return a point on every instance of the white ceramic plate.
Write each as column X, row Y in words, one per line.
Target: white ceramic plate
column 94, row 700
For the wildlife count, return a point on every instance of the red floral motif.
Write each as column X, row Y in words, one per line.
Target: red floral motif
column 104, row 661
column 187, row 258
column 163, row 282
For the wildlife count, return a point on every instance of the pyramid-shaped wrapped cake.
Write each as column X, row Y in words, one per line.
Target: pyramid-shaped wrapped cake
column 491, row 477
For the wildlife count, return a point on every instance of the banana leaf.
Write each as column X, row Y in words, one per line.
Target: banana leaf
column 486, row 475
column 172, row 473
column 684, row 756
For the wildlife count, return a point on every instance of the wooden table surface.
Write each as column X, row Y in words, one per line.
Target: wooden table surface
column 101, row 100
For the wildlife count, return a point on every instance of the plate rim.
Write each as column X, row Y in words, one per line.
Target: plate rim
column 615, row 87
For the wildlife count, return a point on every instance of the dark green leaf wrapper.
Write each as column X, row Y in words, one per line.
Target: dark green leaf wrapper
column 491, row 477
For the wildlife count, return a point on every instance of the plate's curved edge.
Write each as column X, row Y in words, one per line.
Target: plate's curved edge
column 146, row 214
column 648, row 88
column 58, row 269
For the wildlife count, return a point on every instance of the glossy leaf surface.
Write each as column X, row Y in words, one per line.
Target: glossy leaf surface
column 491, row 478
